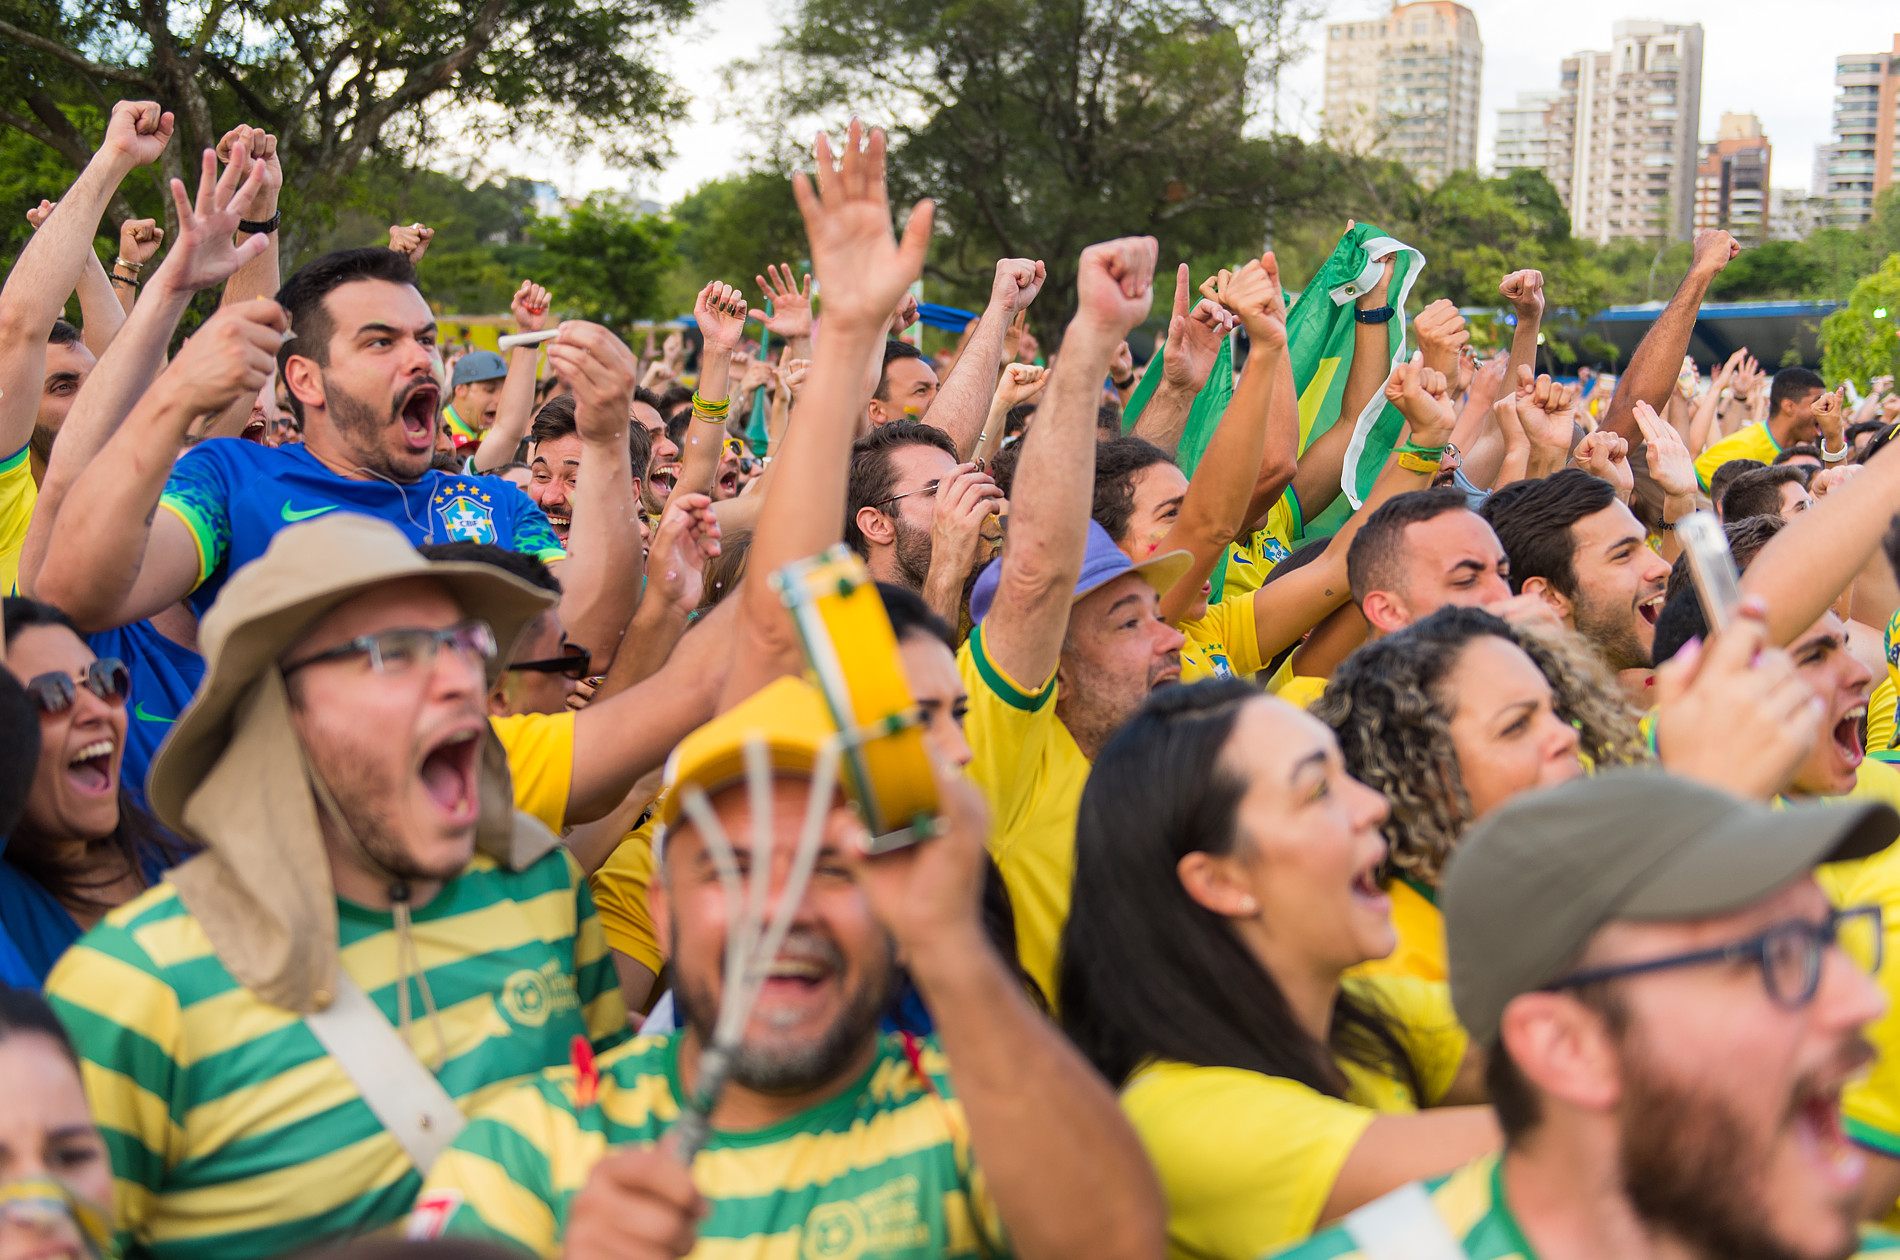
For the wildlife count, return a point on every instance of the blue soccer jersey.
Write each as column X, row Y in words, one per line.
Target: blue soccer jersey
column 235, row 495
column 164, row 678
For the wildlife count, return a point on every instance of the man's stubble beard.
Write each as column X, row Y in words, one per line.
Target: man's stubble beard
column 362, row 429
column 911, row 547
column 1691, row 1168
column 809, row 1066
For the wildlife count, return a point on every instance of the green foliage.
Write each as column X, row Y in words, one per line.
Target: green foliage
column 1042, row 127
column 341, row 80
column 605, row 261
column 1862, row 339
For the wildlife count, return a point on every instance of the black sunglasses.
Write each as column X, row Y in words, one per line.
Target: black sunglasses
column 106, row 678
column 574, row 663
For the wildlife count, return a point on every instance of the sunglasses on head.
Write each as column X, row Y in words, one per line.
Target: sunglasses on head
column 574, row 662
column 106, row 678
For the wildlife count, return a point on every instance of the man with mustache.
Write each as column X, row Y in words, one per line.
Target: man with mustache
column 360, row 368
column 1670, row 1007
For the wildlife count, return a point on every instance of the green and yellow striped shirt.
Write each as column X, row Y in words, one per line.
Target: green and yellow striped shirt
column 883, row 1169
column 232, row 1133
column 1471, row 1204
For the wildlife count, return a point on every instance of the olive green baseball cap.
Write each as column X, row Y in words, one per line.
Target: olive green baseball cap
column 1530, row 885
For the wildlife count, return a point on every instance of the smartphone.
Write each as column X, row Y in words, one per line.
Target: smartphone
column 1717, row 583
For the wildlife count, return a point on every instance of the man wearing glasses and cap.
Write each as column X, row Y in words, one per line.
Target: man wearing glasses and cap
column 1670, row 1007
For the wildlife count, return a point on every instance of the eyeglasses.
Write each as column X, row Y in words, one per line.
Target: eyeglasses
column 929, row 487
column 106, row 678
column 1789, row 955
column 734, row 447
column 573, row 661
column 397, row 651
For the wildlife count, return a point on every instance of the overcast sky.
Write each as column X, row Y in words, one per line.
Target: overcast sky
column 1775, row 60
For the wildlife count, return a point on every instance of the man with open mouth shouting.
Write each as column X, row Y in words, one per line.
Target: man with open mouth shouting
column 372, row 931
column 1671, row 1008
column 360, row 366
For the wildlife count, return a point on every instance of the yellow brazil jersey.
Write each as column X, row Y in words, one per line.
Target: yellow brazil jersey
column 1032, row 774
column 1249, row 563
column 540, row 749
column 18, row 494
column 234, row 1135
column 1420, row 952
column 883, row 1170
column 1880, row 716
column 620, row 894
column 1870, row 1106
column 1752, row 441
column 1247, row 1160
column 1223, row 643
column 1299, row 690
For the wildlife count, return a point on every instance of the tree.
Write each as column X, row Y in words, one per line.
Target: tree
column 1043, row 125
column 338, row 80
column 605, row 261
column 1862, row 339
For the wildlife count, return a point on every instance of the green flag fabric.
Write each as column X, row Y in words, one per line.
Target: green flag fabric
column 1202, row 417
column 1320, row 330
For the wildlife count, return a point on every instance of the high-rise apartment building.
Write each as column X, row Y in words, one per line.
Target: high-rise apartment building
column 1731, row 182
column 1405, row 86
column 1524, row 133
column 1863, row 160
column 1794, row 213
column 1622, row 137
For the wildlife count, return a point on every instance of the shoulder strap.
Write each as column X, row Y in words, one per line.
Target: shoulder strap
column 1402, row 1226
column 404, row 1094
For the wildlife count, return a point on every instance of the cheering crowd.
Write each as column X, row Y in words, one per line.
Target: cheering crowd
column 1353, row 837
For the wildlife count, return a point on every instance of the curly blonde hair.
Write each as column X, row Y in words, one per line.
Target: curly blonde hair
column 1390, row 709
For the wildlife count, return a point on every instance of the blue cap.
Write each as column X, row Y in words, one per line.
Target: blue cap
column 477, row 365
column 1102, row 563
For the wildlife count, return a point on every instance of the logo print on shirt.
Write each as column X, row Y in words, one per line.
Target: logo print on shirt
column 138, row 711
column 292, row 515
column 466, row 512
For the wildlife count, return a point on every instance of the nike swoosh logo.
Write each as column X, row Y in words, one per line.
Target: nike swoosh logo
column 138, row 711
column 292, row 514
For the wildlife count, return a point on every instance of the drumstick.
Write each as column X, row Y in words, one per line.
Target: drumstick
column 512, row 340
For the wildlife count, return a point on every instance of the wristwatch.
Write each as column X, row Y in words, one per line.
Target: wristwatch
column 260, row 227
column 1377, row 315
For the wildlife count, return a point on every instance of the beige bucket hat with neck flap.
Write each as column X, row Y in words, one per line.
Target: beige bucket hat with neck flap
column 233, row 777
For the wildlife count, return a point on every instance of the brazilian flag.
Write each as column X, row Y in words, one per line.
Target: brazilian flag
column 1320, row 335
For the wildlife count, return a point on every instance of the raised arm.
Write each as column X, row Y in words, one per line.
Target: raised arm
column 113, row 558
column 1658, row 358
column 49, row 268
column 100, row 312
column 1019, row 383
column 964, row 397
column 1286, row 609
column 139, row 239
column 1323, row 463
column 514, row 410
column 203, row 257
column 1054, row 485
column 721, row 311
column 261, row 275
column 1806, row 566
column 1215, row 506
column 863, row 270
column 790, row 317
column 1524, row 290
column 600, row 579
column 1064, row 1167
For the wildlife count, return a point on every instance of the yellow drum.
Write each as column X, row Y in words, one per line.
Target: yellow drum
column 852, row 657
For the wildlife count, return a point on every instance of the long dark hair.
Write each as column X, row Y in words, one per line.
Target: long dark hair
column 1146, row 971
column 108, row 857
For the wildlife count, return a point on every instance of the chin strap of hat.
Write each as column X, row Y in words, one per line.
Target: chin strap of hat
column 408, row 956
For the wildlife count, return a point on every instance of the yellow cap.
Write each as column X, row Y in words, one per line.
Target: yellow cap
column 789, row 715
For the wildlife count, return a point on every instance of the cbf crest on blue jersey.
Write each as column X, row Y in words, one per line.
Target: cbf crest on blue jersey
column 466, row 512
